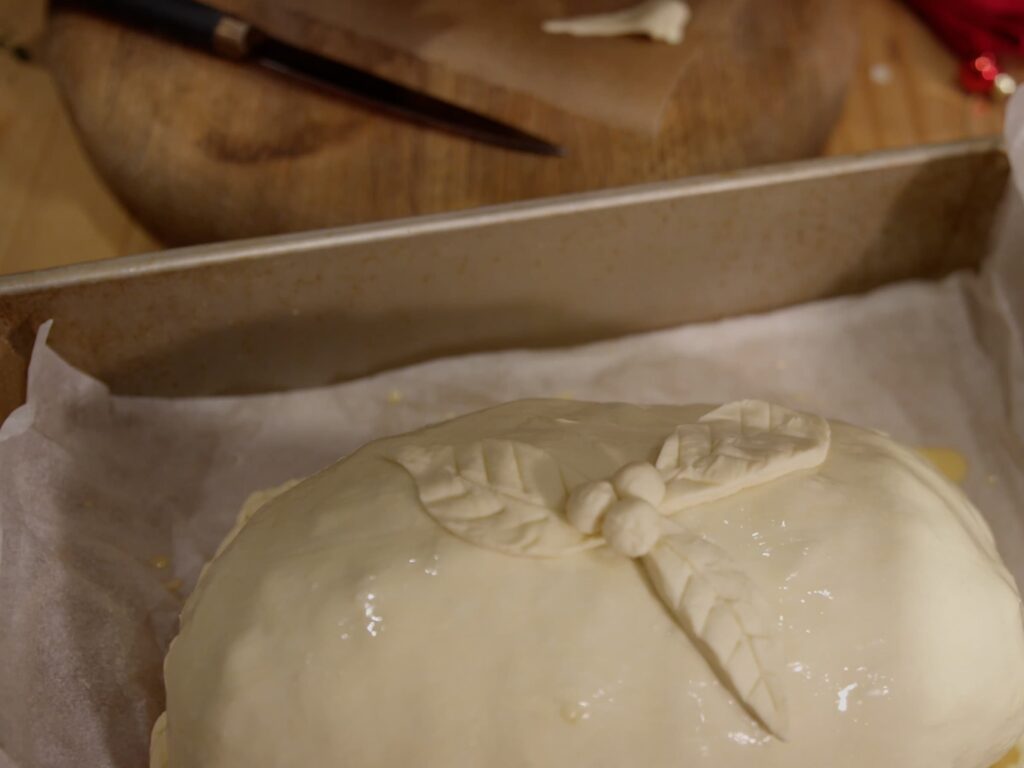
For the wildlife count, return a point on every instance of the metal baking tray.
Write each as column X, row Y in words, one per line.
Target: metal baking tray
column 318, row 307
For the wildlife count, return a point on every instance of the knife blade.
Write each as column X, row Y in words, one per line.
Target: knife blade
column 203, row 26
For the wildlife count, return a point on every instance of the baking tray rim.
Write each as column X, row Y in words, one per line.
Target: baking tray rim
column 226, row 252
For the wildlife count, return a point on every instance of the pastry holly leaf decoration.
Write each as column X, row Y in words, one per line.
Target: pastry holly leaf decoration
column 515, row 498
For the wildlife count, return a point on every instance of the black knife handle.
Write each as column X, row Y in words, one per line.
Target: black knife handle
column 186, row 21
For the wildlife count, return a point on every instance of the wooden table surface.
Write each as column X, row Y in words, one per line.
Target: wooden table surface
column 55, row 210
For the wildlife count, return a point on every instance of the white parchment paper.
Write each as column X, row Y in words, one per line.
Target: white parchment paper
column 110, row 505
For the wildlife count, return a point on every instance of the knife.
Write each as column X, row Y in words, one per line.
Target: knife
column 202, row 26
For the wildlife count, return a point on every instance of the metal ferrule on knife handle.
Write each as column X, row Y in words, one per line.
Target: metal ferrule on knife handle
column 234, row 38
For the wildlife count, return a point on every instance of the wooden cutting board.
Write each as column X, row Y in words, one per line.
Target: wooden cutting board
column 202, row 149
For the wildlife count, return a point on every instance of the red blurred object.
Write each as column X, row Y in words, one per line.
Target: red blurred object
column 975, row 27
column 978, row 75
column 977, row 31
